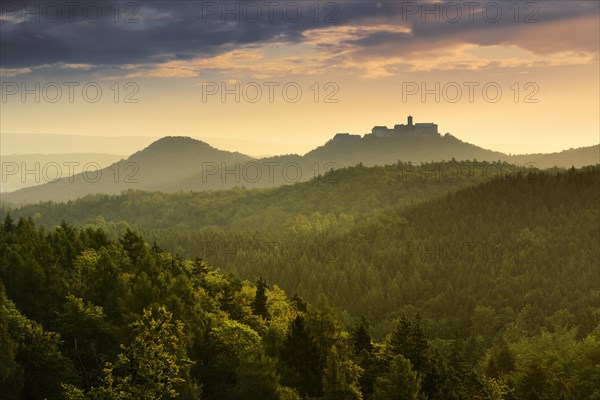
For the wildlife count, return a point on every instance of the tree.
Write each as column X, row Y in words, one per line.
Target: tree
column 32, row 366
column 257, row 378
column 134, row 245
column 361, row 336
column 9, row 224
column 500, row 361
column 494, row 389
column 533, row 384
column 230, row 345
column 300, row 356
column 400, row 382
column 363, row 350
column 259, row 305
column 340, row 378
column 409, row 340
column 87, row 338
column 152, row 366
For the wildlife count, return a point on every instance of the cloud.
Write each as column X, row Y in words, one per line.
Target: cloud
column 167, row 39
column 11, row 72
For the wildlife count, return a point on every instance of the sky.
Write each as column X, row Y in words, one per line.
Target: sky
column 277, row 77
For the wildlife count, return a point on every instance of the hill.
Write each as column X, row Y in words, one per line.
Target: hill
column 373, row 150
column 165, row 161
column 181, row 164
column 529, row 242
column 470, row 289
column 396, row 241
column 577, row 158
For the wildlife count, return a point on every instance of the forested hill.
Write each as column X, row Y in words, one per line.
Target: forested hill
column 518, row 245
column 86, row 318
column 346, row 192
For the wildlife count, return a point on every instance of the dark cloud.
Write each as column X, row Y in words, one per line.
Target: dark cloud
column 147, row 32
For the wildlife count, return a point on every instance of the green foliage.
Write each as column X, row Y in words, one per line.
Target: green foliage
column 32, row 365
column 362, row 341
column 259, row 305
column 88, row 338
column 86, row 313
column 494, row 389
column 307, row 207
column 301, row 360
column 400, row 382
column 256, row 378
column 410, row 341
column 341, row 378
column 151, row 366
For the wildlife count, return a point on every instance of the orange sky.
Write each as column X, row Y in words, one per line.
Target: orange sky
column 353, row 75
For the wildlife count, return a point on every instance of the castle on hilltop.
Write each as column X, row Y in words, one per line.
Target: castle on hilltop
column 428, row 128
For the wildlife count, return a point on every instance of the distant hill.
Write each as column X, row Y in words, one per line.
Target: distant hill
column 486, row 242
column 181, row 163
column 168, row 160
column 567, row 158
column 24, row 170
column 372, row 150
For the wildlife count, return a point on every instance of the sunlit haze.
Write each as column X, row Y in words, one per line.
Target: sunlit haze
column 232, row 79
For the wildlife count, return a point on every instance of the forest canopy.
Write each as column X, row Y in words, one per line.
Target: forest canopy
column 489, row 291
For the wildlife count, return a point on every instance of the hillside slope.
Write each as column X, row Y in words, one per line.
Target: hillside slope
column 345, row 192
column 168, row 160
column 182, row 164
column 530, row 242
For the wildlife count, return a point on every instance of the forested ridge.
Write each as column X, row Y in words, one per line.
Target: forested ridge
column 357, row 190
column 523, row 246
column 478, row 290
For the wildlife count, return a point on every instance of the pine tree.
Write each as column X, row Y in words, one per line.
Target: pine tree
column 134, row 245
column 361, row 336
column 259, row 305
column 501, row 360
column 409, row 340
column 302, row 365
column 256, row 378
column 9, row 224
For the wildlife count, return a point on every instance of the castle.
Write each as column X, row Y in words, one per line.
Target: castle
column 399, row 130
column 408, row 129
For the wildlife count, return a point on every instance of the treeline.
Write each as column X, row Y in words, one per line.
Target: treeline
column 85, row 317
column 345, row 193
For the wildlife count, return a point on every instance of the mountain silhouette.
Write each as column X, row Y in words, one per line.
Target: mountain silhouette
column 168, row 160
column 176, row 163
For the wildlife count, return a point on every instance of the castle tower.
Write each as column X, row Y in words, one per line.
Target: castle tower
column 410, row 120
